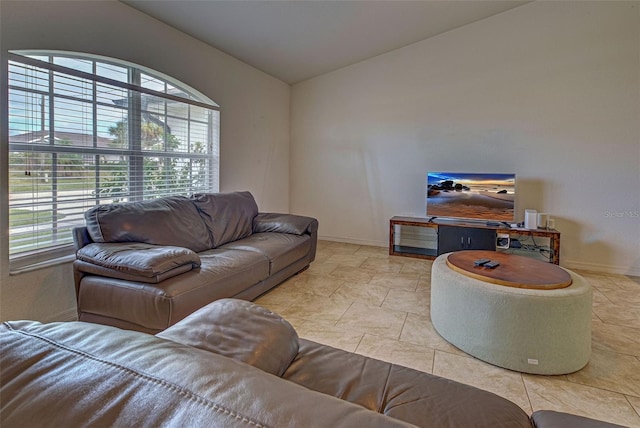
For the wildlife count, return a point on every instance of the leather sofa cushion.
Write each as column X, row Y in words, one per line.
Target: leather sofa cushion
column 228, row 216
column 154, row 307
column 137, row 261
column 76, row 374
column 281, row 249
column 240, row 330
column 173, row 220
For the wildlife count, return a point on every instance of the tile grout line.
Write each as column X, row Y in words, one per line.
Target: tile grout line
column 526, row 391
column 567, row 379
column 626, row 397
column 433, row 362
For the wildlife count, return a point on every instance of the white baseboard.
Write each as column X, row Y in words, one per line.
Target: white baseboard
column 353, row 241
column 598, row 267
column 70, row 314
column 569, row 264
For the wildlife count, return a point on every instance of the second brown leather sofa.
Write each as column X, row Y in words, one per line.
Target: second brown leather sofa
column 230, row 364
column 146, row 265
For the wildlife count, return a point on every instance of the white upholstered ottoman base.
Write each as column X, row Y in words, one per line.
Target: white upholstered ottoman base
column 532, row 331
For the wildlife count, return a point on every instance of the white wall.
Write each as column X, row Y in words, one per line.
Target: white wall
column 549, row 90
column 254, row 116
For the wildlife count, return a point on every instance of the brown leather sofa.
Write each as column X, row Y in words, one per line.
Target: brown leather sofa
column 229, row 364
column 146, row 265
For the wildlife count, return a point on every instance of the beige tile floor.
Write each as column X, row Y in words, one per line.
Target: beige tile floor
column 360, row 299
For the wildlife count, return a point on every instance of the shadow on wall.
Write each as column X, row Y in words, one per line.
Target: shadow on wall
column 589, row 241
column 529, row 196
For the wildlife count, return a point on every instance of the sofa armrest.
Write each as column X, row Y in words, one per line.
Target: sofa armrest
column 135, row 261
column 284, row 223
column 81, row 237
column 240, row 330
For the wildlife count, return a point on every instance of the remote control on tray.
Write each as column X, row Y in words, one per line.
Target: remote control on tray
column 491, row 265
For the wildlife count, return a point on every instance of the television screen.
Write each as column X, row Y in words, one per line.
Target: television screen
column 479, row 196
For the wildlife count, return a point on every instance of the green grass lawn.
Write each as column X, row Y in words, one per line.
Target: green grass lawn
column 18, row 183
column 30, row 239
column 20, row 217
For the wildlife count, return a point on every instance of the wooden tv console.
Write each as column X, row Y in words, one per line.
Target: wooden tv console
column 468, row 235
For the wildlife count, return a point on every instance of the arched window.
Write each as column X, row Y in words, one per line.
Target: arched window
column 87, row 130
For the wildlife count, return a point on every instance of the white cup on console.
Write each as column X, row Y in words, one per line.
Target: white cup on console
column 543, row 219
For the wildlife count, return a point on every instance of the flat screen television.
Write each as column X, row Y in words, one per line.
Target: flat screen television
column 474, row 196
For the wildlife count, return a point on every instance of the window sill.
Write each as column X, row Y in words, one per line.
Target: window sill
column 17, row 270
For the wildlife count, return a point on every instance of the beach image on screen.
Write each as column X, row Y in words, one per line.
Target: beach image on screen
column 471, row 195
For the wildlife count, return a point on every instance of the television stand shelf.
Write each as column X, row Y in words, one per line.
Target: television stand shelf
column 455, row 235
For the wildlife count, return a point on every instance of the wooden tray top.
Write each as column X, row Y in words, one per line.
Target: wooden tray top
column 514, row 271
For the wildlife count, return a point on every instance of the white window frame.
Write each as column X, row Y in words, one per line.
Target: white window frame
column 60, row 248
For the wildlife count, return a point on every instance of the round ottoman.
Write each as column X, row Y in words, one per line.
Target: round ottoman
column 527, row 330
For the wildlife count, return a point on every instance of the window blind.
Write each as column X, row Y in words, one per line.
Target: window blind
column 85, row 131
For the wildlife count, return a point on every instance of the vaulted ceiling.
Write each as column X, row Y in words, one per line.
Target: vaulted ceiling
column 299, row 39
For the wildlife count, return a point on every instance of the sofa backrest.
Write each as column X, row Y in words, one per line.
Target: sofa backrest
column 228, row 216
column 83, row 374
column 172, row 220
